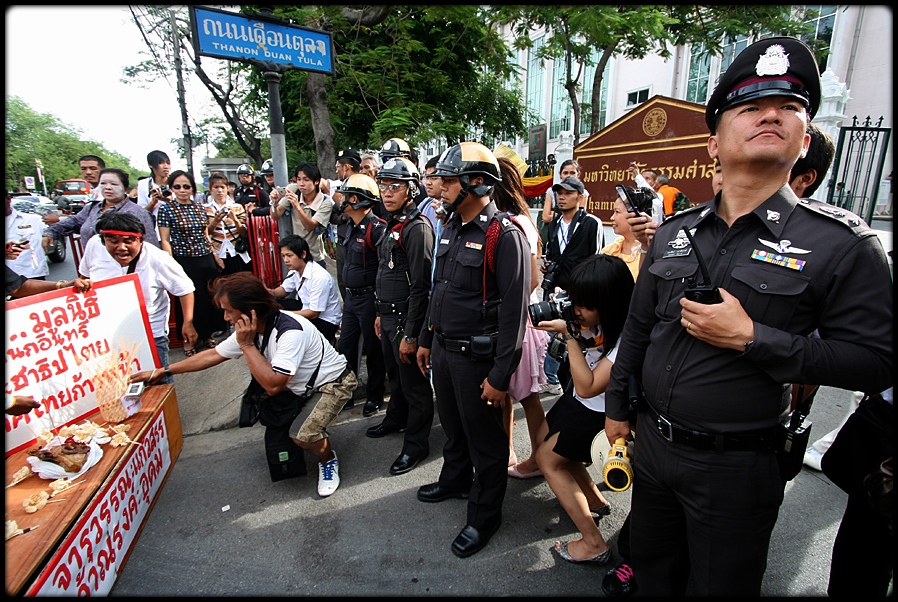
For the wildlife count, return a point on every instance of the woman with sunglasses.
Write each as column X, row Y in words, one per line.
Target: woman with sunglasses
column 182, row 228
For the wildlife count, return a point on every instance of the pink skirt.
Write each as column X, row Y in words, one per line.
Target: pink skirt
column 530, row 373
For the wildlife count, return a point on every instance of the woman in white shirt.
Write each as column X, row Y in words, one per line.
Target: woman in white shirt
column 599, row 291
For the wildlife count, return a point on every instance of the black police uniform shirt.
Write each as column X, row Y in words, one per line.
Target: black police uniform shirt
column 405, row 261
column 456, row 308
column 796, row 266
column 360, row 263
column 248, row 195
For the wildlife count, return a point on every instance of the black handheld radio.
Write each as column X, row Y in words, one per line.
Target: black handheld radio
column 705, row 292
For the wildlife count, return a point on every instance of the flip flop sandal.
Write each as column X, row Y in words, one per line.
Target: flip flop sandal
column 211, row 343
column 599, row 559
column 190, row 352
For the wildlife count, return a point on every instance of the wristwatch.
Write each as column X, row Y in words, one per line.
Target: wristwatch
column 411, row 340
column 567, row 337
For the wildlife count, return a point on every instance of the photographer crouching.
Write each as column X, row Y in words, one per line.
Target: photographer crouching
column 589, row 317
column 305, row 381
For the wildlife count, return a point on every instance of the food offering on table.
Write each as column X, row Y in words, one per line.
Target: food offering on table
column 36, row 501
column 72, row 451
column 68, row 454
column 20, row 475
column 12, row 529
column 121, row 437
column 60, row 485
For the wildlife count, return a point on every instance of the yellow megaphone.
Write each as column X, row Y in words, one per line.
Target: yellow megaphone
column 614, row 460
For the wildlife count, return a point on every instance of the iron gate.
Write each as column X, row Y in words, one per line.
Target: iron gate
column 858, row 166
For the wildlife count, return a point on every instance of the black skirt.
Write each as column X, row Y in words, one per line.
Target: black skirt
column 576, row 426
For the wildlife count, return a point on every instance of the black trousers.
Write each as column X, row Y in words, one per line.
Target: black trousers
column 358, row 325
column 206, row 317
column 863, row 552
column 704, row 514
column 411, row 396
column 475, row 455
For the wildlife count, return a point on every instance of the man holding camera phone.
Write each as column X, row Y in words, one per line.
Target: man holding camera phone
column 716, row 376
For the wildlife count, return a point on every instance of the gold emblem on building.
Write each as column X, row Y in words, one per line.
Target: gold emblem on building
column 654, row 122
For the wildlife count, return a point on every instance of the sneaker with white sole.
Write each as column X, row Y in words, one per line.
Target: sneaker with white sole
column 550, row 389
column 328, row 476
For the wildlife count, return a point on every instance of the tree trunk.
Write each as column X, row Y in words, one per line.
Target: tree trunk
column 316, row 93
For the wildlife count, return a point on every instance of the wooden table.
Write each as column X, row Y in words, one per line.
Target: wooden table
column 83, row 541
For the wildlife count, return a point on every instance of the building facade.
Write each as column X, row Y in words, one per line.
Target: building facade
column 857, row 83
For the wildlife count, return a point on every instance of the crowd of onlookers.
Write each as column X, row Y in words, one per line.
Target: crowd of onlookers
column 696, row 321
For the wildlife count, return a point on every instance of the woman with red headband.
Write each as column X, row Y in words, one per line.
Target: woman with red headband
column 119, row 249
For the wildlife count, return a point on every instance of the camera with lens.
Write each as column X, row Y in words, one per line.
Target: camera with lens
column 548, row 282
column 164, row 191
column 559, row 307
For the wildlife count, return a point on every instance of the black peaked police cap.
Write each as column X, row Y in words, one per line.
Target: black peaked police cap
column 782, row 66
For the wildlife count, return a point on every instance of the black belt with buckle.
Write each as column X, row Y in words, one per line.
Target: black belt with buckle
column 398, row 307
column 462, row 346
column 761, row 441
column 356, row 292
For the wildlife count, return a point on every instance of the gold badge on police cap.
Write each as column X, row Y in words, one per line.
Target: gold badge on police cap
column 774, row 61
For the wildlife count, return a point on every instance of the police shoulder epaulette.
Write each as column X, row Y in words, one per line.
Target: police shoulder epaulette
column 843, row 216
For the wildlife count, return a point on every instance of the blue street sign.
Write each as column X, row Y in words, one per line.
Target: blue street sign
column 255, row 39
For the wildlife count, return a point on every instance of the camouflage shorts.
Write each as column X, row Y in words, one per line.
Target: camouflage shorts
column 321, row 410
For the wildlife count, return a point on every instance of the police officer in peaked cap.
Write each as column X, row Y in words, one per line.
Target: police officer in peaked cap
column 717, row 371
column 771, row 67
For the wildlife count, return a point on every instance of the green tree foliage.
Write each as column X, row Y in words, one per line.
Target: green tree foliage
column 416, row 72
column 585, row 35
column 31, row 135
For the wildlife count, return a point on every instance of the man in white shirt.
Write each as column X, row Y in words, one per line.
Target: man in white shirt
column 304, row 381
column 27, row 229
column 119, row 250
column 317, row 297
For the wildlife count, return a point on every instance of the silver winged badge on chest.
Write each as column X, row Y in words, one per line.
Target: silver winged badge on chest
column 783, row 246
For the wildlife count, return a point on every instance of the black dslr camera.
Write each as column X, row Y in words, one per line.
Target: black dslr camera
column 559, row 307
column 548, row 283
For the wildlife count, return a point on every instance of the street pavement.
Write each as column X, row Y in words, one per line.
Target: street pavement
column 220, row 526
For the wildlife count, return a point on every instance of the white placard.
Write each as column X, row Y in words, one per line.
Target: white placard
column 55, row 341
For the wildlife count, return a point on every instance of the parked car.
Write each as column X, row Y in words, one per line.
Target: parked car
column 41, row 205
column 72, row 195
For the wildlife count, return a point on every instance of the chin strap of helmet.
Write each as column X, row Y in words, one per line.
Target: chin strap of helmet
column 479, row 190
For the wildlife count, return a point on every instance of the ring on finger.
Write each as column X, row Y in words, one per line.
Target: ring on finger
column 688, row 324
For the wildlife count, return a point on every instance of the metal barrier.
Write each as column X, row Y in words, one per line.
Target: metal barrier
column 262, row 232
